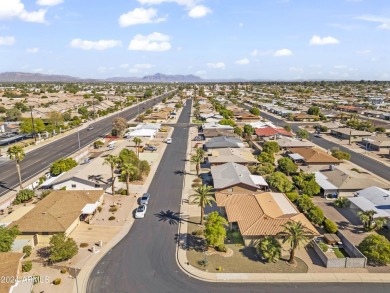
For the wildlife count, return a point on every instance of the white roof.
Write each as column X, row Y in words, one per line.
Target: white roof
column 365, row 205
column 155, row 126
column 296, row 156
column 142, row 133
column 322, row 181
column 50, row 181
column 89, row 208
column 258, row 180
column 284, row 204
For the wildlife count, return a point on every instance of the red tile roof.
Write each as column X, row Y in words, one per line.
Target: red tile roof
column 270, row 131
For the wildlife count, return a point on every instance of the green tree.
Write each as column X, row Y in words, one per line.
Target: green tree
column 270, row 248
column 56, row 118
column 144, row 168
column 287, row 128
column 342, row 202
column 307, row 184
column 62, row 248
column 376, row 248
column 303, row 134
column 330, row 226
column 271, row 147
column 264, row 169
column 17, row 154
column 280, row 182
column 296, row 236
column 255, row 111
column 128, row 157
column 287, row 166
column 203, row 197
column 128, row 171
column 305, row 204
column 248, row 129
column 197, row 159
column 27, row 249
column 62, row 165
column 292, row 196
column 380, row 129
column 265, row 158
column 24, row 195
column 113, row 162
column 27, row 127
column 7, row 237
column 323, row 128
column 369, row 222
column 215, row 232
column 13, row 114
column 227, row 122
column 314, row 110
column 316, row 215
column 341, row 155
column 137, row 142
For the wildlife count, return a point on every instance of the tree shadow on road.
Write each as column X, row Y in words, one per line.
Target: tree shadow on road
column 3, row 185
column 173, row 218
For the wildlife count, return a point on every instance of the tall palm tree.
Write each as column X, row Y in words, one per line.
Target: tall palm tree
column 137, row 142
column 197, row 159
column 128, row 170
column 296, row 235
column 369, row 223
column 17, row 153
column 203, row 197
column 112, row 161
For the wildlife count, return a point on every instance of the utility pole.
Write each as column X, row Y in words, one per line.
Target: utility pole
column 33, row 126
column 93, row 106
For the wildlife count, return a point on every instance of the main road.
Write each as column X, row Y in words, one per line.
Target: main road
column 38, row 160
column 144, row 261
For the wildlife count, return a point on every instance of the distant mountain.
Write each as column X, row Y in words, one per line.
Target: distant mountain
column 36, row 77
column 123, row 79
column 159, row 77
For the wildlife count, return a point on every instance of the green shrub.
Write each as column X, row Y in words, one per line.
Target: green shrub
column 323, row 246
column 26, row 266
column 64, row 270
column 330, row 226
column 27, row 250
column 342, row 202
column 112, row 218
column 57, row 281
column 197, row 232
column 221, row 248
column 293, row 196
column 84, row 244
column 62, row 165
column 316, row 215
column 23, row 196
column 112, row 209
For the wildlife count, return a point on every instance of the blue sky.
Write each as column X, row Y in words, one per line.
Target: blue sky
column 250, row 39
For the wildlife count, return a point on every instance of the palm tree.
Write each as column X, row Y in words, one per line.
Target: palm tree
column 203, row 197
column 112, row 161
column 200, row 152
column 17, row 153
column 197, row 159
column 296, row 235
column 128, row 170
column 369, row 223
column 270, row 248
column 137, row 142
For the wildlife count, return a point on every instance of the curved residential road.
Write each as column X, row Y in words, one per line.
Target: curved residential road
column 144, row 261
column 38, row 160
column 363, row 161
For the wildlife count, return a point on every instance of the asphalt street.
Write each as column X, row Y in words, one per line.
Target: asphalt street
column 40, row 159
column 361, row 160
column 145, row 261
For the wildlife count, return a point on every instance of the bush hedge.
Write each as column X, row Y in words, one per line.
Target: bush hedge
column 57, row 281
column 26, row 266
column 27, row 250
column 330, row 226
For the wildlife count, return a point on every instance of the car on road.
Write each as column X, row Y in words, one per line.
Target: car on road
column 198, row 138
column 318, row 135
column 145, row 198
column 150, row 148
column 140, row 212
column 168, row 140
column 90, row 128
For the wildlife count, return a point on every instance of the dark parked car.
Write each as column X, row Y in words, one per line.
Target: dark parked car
column 150, row 148
column 198, row 138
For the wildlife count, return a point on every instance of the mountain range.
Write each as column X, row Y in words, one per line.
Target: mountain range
column 38, row 77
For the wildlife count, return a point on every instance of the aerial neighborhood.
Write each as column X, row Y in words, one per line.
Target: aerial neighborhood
column 256, row 179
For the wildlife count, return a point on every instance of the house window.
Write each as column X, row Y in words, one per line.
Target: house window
column 97, row 185
column 73, row 185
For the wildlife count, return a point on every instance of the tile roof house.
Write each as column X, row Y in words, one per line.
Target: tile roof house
column 214, row 132
column 261, row 214
column 377, row 143
column 233, row 177
column 10, row 268
column 314, row 156
column 285, row 142
column 232, row 155
column 220, row 142
column 270, row 131
column 58, row 212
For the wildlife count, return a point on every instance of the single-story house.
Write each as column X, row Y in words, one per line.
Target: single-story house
column 241, row 156
column 10, row 270
column 304, row 117
column 346, row 133
column 236, row 178
column 157, row 117
column 261, row 124
column 146, row 133
column 285, row 142
column 272, row 132
column 377, row 143
column 261, row 214
column 59, row 212
column 214, row 125
column 373, row 198
column 214, row 132
column 220, row 142
column 246, row 118
column 313, row 156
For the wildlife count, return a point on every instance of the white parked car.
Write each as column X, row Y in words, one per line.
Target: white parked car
column 140, row 212
column 168, row 140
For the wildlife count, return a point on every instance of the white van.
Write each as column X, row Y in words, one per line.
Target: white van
column 111, row 145
column 168, row 140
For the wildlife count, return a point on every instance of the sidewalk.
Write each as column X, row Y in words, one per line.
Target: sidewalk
column 188, row 211
column 82, row 278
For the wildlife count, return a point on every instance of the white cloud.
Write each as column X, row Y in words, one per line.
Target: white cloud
column 152, row 42
column 317, row 40
column 242, row 61
column 7, row 41
column 49, row 2
column 15, row 9
column 187, row 3
column 32, row 50
column 94, row 45
column 384, row 23
column 139, row 16
column 218, row 65
column 283, row 52
column 254, row 53
column 199, row 11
